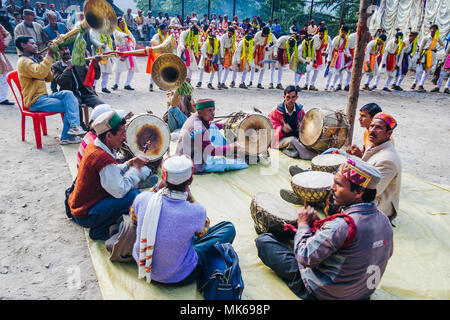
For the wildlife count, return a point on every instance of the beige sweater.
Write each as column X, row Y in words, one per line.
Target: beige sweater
column 386, row 159
column 32, row 77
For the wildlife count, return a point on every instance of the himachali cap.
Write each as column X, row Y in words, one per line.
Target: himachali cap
column 205, row 103
column 177, row 169
column 106, row 121
column 361, row 173
column 387, row 118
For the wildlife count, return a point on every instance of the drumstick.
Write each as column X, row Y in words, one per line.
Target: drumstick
column 146, row 146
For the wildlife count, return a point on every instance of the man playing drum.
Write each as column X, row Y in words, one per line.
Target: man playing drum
column 286, row 118
column 195, row 136
column 336, row 257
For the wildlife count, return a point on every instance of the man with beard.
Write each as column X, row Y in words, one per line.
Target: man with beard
column 336, row 257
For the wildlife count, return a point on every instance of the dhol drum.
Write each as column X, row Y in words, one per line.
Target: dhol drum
column 327, row 162
column 149, row 135
column 270, row 213
column 312, row 187
column 254, row 131
column 321, row 129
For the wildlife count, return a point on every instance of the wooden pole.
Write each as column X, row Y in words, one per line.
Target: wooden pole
column 358, row 62
column 341, row 20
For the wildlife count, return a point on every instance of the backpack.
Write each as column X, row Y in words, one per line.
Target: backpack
column 66, row 200
column 221, row 276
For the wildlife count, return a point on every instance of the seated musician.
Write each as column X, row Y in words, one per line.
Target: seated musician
column 340, row 257
column 175, row 226
column 104, row 190
column 32, row 76
column 195, row 138
column 286, row 118
column 72, row 78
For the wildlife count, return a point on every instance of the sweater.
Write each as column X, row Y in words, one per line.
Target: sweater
column 32, row 78
column 88, row 190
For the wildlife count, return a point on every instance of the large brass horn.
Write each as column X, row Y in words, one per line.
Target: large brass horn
column 98, row 15
column 168, row 70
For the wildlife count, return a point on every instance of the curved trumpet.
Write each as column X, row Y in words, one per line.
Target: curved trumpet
column 98, row 15
column 169, row 71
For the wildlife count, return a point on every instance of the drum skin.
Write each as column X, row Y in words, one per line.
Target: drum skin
column 148, row 128
column 312, row 187
column 247, row 129
column 322, row 129
column 270, row 213
column 327, row 162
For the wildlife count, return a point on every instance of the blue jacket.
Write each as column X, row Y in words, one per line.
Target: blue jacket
column 51, row 33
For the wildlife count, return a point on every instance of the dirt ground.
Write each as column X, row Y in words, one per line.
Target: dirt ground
column 43, row 254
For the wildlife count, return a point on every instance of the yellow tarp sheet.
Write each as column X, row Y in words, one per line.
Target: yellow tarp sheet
column 418, row 269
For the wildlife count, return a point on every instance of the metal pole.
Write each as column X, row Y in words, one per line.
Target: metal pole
column 234, row 8
column 341, row 20
column 271, row 11
column 149, row 4
column 209, row 8
column 182, row 9
column 358, row 62
column 310, row 10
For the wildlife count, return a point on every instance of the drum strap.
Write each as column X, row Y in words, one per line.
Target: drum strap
column 319, row 223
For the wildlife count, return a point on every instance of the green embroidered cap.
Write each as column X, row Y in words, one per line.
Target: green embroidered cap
column 106, row 121
column 205, row 103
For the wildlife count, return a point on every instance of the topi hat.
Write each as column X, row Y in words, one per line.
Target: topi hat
column 361, row 173
column 177, row 169
column 106, row 121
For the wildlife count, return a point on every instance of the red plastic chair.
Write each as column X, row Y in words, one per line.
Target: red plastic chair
column 38, row 117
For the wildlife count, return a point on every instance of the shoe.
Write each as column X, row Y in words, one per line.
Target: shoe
column 199, row 84
column 7, row 102
column 128, row 88
column 105, row 90
column 224, row 86
column 435, row 90
column 393, row 86
column 312, row 88
column 219, row 86
column 291, row 153
column 421, row 89
column 338, row 88
column 366, row 87
column 243, row 86
column 398, row 88
column 148, row 183
column 71, row 140
column 298, row 88
column 387, row 89
column 373, row 88
column 413, row 86
column 434, row 81
column 279, row 86
column 290, row 196
column 115, row 87
column 347, row 88
column 332, row 89
column 76, row 131
column 305, row 88
column 259, row 86
column 271, row 86
column 447, row 90
column 210, row 86
column 151, row 88
column 293, row 170
column 232, row 84
column 250, row 84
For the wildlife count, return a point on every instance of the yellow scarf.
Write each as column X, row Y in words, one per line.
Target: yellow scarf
column 381, row 48
column 105, row 39
column 294, row 53
column 126, row 28
column 414, row 46
column 339, row 40
column 161, row 37
column 307, row 52
column 429, row 52
column 192, row 40
column 250, row 50
column 233, row 40
column 400, row 45
column 216, row 46
column 325, row 37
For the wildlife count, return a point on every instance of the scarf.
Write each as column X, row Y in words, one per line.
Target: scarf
column 429, row 52
column 130, row 43
column 216, row 46
column 192, row 39
column 288, row 51
column 400, row 45
column 105, row 39
column 161, row 37
column 414, row 46
column 149, row 228
column 250, row 50
column 339, row 40
column 379, row 48
column 308, row 52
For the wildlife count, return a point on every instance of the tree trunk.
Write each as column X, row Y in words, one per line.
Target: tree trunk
column 358, row 62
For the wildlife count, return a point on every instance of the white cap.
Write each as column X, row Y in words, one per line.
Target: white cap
column 177, row 169
column 102, row 108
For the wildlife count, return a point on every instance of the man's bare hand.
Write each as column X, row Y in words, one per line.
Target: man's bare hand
column 307, row 216
column 138, row 162
column 354, row 151
column 287, row 128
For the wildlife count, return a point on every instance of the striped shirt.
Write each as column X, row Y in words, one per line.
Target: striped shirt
column 88, row 138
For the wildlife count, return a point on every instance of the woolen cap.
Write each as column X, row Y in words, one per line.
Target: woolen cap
column 106, row 121
column 361, row 173
column 177, row 169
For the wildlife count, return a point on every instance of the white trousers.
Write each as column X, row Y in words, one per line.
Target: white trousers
column 3, row 87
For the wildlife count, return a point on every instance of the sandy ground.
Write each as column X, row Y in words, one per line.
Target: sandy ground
column 45, row 256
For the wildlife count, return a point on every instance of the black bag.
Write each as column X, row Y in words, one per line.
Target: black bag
column 221, row 278
column 66, row 201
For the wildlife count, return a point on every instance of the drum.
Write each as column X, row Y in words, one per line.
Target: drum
column 327, row 162
column 270, row 213
column 312, row 186
column 321, row 129
column 254, row 131
column 149, row 135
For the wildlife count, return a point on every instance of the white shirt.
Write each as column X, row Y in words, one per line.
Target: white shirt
column 119, row 179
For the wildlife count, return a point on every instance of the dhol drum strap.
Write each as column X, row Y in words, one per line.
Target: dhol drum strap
column 319, row 223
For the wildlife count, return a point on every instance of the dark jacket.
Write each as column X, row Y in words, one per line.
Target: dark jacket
column 66, row 81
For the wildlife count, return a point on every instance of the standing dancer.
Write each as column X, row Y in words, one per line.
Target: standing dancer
column 306, row 57
column 336, row 58
column 282, row 56
column 157, row 39
column 264, row 39
column 188, row 49
column 103, row 43
column 444, row 73
column 351, row 49
column 374, row 49
column 409, row 52
column 227, row 48
column 243, row 58
column 209, row 61
column 392, row 58
column 320, row 41
column 124, row 42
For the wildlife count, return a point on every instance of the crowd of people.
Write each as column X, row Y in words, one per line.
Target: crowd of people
column 331, row 257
